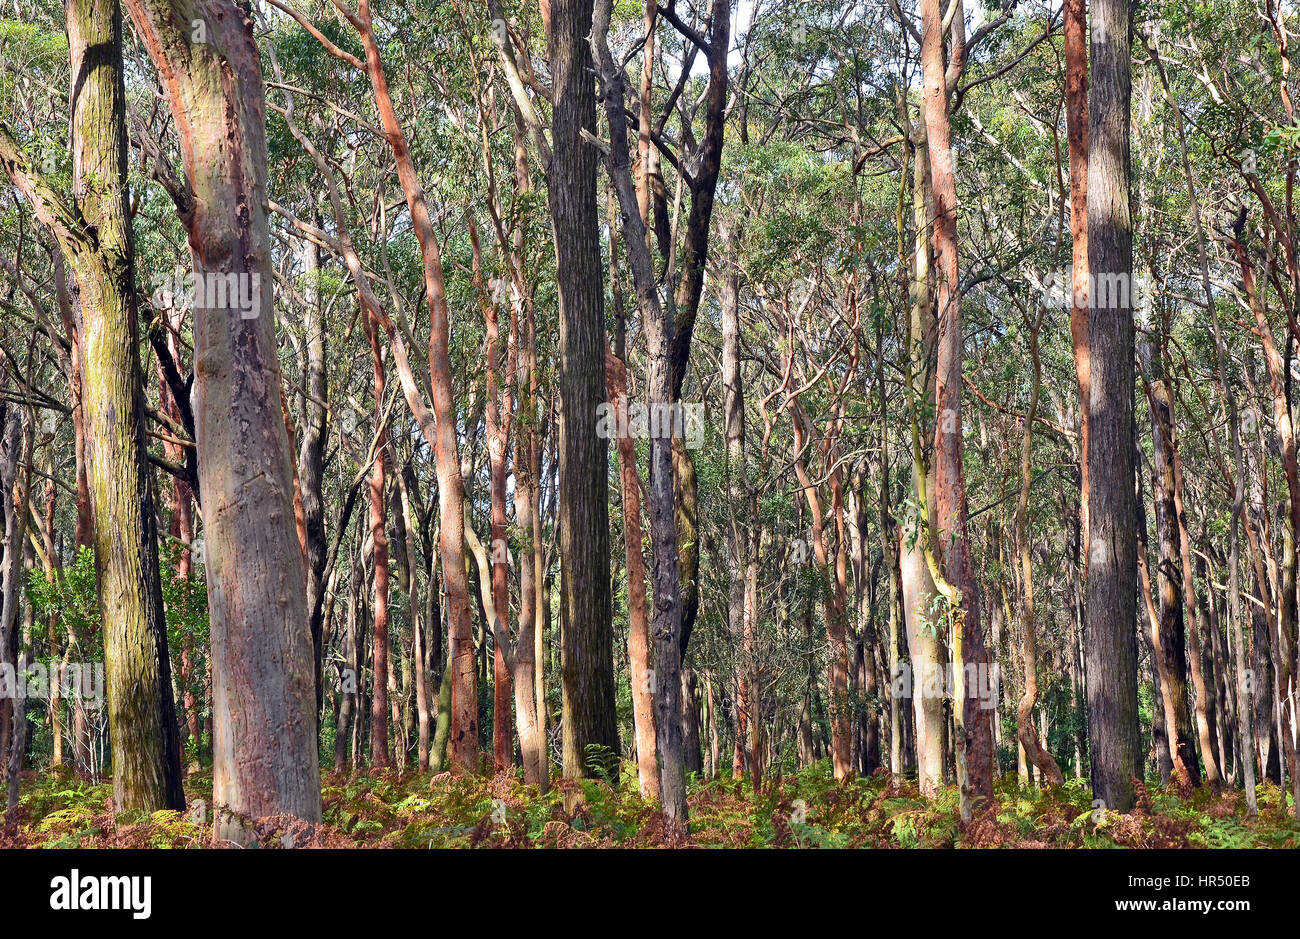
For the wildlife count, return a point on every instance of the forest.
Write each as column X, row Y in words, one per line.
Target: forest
column 649, row 423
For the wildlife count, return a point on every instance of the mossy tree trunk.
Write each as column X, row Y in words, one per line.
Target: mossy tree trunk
column 141, row 711
column 95, row 236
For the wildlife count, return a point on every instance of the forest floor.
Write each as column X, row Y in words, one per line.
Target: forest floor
column 809, row 809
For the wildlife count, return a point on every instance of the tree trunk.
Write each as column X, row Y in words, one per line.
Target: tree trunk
column 974, row 742
column 666, row 620
column 265, row 745
column 638, row 618
column 1200, row 656
column 15, row 476
column 690, row 289
column 1076, row 121
column 837, row 665
column 349, row 675
column 692, row 754
column 1278, row 380
column 311, row 458
column 1028, row 738
column 419, row 630
column 497, row 410
column 379, row 749
column 97, row 239
column 590, row 728
column 438, row 427
column 1111, row 653
column 530, row 703
column 741, row 500
column 926, row 663
column 1168, row 641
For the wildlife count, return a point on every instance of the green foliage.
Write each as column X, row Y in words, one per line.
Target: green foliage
column 73, row 595
column 186, row 600
column 807, row 809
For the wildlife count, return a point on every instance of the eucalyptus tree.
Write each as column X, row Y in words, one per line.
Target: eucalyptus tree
column 264, row 736
column 94, row 232
column 1112, row 560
